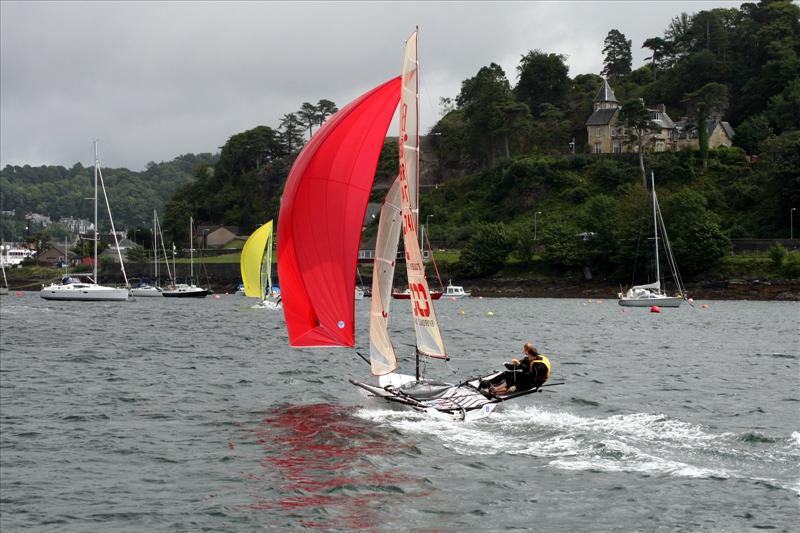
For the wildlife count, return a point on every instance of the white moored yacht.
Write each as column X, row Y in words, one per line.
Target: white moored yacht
column 72, row 287
column 652, row 294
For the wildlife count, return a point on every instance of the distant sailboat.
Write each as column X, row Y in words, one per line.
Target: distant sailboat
column 256, row 266
column 187, row 290
column 652, row 293
column 84, row 287
column 145, row 289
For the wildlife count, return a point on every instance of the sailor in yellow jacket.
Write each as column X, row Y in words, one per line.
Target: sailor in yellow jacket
column 529, row 372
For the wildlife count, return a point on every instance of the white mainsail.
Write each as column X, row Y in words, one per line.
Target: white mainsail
column 381, row 351
column 429, row 337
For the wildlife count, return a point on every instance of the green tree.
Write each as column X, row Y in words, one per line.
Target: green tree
column 493, row 118
column 618, row 58
column 658, row 49
column 637, row 120
column 325, row 108
column 705, row 104
column 543, row 79
column 697, row 241
column 291, row 128
column 486, row 252
column 751, row 132
column 561, row 244
column 309, row 116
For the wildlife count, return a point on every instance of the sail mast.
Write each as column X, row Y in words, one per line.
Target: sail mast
column 655, row 228
column 191, row 253
column 416, row 136
column 96, row 236
column 155, row 251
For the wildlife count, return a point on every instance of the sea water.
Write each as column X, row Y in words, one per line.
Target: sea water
column 185, row 415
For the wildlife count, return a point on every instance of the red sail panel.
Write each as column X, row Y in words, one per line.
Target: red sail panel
column 322, row 212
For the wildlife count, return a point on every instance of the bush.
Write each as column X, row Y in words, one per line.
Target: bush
column 791, row 264
column 777, row 254
column 486, row 252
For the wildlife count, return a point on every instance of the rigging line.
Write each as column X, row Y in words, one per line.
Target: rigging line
column 113, row 230
column 670, row 257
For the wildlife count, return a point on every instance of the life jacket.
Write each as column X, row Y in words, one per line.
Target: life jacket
column 545, row 361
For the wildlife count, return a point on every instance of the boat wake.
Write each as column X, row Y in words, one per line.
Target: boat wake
column 651, row 444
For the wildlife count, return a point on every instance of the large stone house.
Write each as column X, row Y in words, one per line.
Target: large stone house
column 608, row 135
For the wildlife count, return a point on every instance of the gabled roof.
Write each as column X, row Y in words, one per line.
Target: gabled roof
column 664, row 122
column 212, row 228
column 601, row 117
column 726, row 128
column 605, row 94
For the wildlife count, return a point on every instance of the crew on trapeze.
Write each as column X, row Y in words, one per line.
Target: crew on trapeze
column 522, row 374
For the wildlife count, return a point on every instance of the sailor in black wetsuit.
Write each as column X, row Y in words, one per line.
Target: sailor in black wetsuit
column 529, row 372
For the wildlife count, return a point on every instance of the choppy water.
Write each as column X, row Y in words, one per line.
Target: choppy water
column 162, row 414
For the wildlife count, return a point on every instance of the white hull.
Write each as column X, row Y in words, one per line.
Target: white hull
column 146, row 292
column 3, row 291
column 84, row 292
column 665, row 301
column 457, row 296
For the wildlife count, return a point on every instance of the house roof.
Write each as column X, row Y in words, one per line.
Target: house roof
column 601, row 117
column 605, row 94
column 664, row 121
column 59, row 248
column 211, row 229
column 727, row 128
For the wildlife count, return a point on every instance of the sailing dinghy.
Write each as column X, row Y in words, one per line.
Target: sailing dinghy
column 322, row 209
column 256, row 265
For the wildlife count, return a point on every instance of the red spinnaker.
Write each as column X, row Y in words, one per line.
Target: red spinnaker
column 322, row 213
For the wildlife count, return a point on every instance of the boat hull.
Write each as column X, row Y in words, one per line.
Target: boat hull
column 435, row 295
column 86, row 294
column 198, row 293
column 146, row 293
column 669, row 301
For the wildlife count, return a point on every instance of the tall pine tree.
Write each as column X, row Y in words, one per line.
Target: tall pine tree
column 618, row 57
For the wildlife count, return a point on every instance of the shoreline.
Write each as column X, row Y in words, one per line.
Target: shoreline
column 222, row 282
column 734, row 289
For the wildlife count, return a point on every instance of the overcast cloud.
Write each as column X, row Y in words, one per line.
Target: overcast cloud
column 153, row 80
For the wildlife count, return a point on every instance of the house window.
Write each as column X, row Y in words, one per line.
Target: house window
column 597, row 132
column 617, row 148
column 598, row 148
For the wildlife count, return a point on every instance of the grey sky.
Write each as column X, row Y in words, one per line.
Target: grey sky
column 153, row 80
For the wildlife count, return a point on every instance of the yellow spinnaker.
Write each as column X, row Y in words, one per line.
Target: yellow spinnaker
column 257, row 250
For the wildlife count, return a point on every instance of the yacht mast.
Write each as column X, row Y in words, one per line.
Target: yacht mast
column 655, row 228
column 155, row 251
column 94, row 265
column 191, row 252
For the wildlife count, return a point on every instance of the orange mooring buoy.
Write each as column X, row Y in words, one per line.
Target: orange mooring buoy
column 655, row 309
column 704, row 306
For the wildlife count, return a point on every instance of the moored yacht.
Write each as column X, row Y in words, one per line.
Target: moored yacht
column 455, row 291
column 82, row 287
